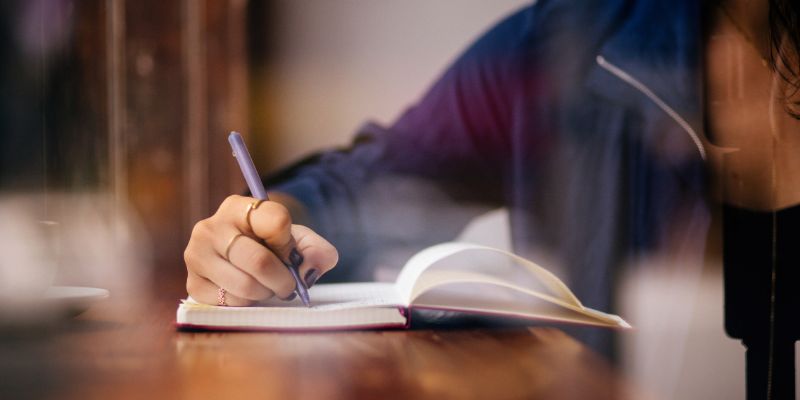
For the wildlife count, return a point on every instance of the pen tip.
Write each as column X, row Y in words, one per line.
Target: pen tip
column 302, row 291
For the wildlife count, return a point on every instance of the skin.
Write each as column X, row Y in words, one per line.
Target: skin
column 254, row 271
column 754, row 141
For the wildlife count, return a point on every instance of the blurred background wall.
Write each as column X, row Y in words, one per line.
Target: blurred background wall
column 135, row 98
column 322, row 68
column 128, row 103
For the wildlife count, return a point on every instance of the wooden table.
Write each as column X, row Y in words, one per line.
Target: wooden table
column 122, row 350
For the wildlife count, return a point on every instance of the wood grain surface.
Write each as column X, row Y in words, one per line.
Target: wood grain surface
column 120, row 350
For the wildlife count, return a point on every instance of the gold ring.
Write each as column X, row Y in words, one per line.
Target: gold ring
column 230, row 244
column 221, row 297
column 250, row 207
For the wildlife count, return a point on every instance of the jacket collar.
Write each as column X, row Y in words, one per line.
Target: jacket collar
column 659, row 43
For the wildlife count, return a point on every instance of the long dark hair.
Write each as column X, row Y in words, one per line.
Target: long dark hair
column 784, row 34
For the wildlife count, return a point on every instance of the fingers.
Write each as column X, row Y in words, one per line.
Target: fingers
column 318, row 255
column 206, row 292
column 226, row 251
column 271, row 222
column 204, row 261
column 260, row 263
column 223, row 274
column 247, row 261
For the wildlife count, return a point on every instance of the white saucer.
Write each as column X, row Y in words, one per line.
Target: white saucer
column 76, row 299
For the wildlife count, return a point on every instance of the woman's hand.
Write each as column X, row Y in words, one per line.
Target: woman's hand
column 243, row 252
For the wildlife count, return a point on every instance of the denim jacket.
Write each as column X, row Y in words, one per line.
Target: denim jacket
column 583, row 118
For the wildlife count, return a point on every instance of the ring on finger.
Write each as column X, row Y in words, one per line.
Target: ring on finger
column 250, row 207
column 230, row 244
column 221, row 297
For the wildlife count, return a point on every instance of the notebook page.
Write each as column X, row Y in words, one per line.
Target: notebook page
column 547, row 307
column 423, row 260
column 442, row 277
column 486, row 303
column 328, row 296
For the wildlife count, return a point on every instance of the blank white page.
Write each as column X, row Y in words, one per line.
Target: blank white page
column 413, row 271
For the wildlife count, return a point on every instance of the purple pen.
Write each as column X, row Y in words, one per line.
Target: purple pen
column 257, row 189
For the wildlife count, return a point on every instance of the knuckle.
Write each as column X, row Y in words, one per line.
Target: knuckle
column 187, row 256
column 201, row 229
column 278, row 219
column 191, row 285
column 277, row 224
column 229, row 202
column 190, row 257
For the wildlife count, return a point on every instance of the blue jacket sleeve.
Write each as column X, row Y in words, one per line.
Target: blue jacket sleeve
column 421, row 179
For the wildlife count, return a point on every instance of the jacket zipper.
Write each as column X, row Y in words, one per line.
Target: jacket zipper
column 627, row 78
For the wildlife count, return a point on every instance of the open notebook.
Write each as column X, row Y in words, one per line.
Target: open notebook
column 385, row 305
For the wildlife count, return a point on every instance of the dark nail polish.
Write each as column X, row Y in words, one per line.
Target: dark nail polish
column 295, row 258
column 311, row 277
column 291, row 297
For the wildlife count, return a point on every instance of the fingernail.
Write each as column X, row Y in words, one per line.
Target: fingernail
column 291, row 297
column 295, row 258
column 311, row 277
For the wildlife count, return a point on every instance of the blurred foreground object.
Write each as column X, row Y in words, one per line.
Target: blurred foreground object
column 57, row 250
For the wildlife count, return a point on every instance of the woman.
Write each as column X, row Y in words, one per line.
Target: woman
column 751, row 80
column 595, row 123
